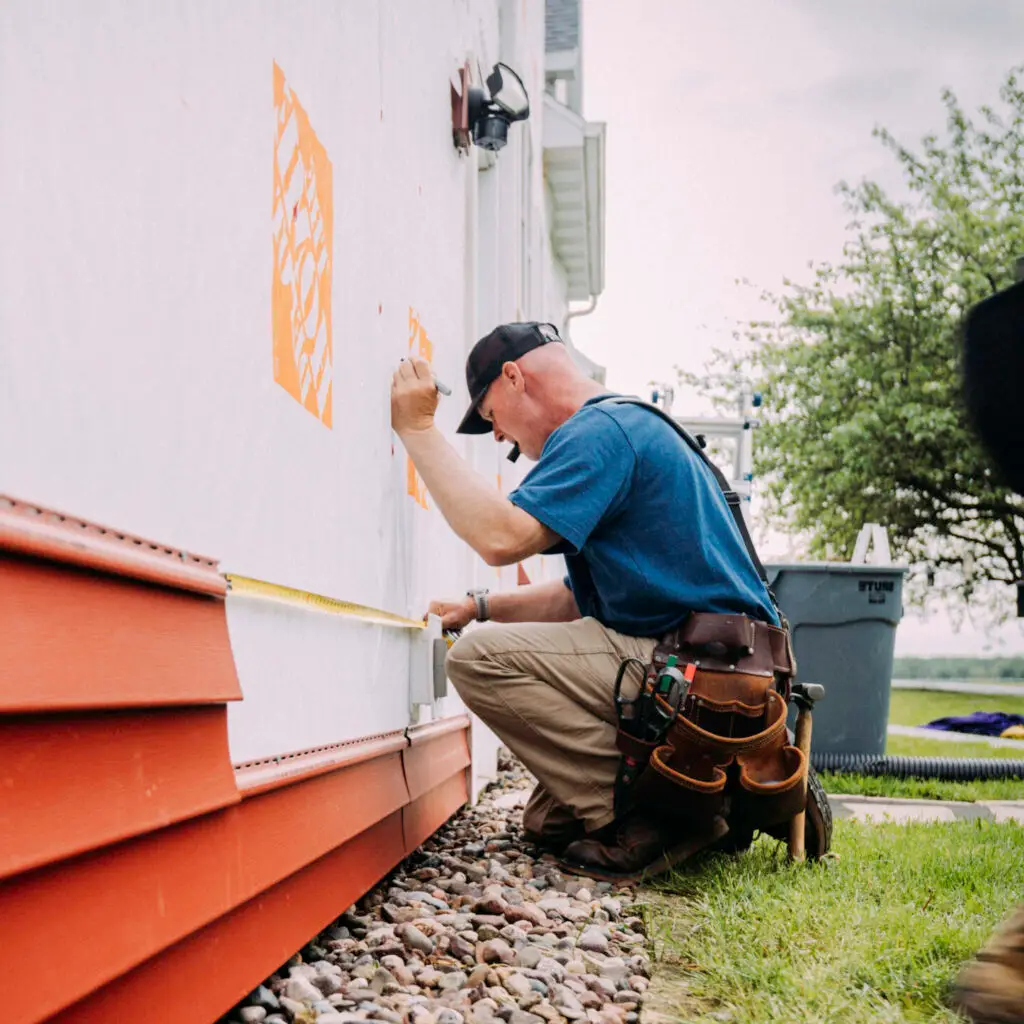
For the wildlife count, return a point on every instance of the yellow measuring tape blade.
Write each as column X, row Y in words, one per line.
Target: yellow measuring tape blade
column 276, row 592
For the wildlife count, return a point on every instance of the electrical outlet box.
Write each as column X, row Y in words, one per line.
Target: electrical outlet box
column 440, row 679
column 423, row 662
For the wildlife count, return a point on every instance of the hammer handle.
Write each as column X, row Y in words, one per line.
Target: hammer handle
column 797, row 823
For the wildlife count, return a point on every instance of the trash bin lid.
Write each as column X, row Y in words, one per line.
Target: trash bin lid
column 853, row 568
column 837, row 593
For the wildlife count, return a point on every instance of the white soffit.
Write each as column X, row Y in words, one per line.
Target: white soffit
column 574, row 170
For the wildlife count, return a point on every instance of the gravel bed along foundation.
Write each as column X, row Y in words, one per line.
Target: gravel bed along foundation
column 477, row 926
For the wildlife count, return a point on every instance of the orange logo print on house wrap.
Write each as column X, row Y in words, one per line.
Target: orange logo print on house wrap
column 303, row 230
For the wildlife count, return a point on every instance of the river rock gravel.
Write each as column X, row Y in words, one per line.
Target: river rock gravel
column 476, row 927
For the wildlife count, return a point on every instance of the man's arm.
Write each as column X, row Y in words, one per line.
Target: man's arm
column 485, row 519
column 539, row 602
column 482, row 516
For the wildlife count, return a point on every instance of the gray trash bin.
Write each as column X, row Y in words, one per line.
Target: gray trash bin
column 844, row 619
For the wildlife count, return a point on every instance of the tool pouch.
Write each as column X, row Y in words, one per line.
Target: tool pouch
column 728, row 752
column 633, row 749
column 635, row 757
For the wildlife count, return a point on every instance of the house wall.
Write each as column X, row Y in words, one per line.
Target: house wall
column 144, row 383
column 224, row 225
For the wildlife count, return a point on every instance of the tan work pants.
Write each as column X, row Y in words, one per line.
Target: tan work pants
column 546, row 689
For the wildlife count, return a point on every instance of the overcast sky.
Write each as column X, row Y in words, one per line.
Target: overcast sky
column 728, row 127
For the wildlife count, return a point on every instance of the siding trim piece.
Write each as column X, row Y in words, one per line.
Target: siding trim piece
column 75, row 639
column 199, row 978
column 430, row 730
column 32, row 530
column 70, row 783
column 436, row 754
column 136, row 898
column 204, row 975
column 425, row 815
column 254, row 777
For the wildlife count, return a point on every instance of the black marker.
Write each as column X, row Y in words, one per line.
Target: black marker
column 442, row 388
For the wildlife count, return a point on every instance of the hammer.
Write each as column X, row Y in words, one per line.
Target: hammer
column 804, row 695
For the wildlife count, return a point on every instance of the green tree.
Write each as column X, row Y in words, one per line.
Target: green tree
column 863, row 418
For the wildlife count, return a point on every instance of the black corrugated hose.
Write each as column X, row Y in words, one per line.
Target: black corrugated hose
column 960, row 769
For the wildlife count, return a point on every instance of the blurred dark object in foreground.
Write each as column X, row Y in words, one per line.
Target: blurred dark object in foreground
column 994, row 378
column 990, row 989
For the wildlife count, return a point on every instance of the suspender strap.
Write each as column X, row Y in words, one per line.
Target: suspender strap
column 733, row 499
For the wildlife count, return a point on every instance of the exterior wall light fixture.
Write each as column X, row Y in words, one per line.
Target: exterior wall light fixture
column 491, row 112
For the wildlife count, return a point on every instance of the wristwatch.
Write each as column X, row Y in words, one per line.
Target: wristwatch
column 483, row 610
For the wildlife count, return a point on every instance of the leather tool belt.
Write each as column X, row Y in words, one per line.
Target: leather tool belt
column 725, row 752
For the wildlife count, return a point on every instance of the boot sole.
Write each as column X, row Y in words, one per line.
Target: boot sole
column 668, row 859
column 551, row 844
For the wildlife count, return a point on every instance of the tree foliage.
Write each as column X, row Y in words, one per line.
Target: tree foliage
column 863, row 418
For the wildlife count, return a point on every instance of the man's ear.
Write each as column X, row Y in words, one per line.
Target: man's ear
column 511, row 372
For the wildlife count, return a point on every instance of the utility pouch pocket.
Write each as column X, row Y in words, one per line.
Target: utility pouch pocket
column 771, row 786
column 730, row 636
column 634, row 749
column 635, row 756
column 693, row 792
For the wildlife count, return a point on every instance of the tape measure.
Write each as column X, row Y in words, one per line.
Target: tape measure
column 276, row 592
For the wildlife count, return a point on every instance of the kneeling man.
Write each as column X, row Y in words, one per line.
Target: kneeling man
column 648, row 540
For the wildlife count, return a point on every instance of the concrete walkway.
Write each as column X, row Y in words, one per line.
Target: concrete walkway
column 919, row 732
column 961, row 686
column 881, row 808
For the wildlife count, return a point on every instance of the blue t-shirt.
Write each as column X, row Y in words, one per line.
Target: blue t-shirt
column 648, row 535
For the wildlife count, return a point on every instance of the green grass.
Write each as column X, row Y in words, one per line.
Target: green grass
column 923, row 789
column 875, row 935
column 918, row 707
column 912, row 746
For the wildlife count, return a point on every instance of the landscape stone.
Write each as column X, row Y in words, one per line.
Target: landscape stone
column 475, row 927
column 594, row 940
column 528, row 956
column 382, row 977
column 496, row 951
column 414, row 938
column 447, row 1015
column 302, row 990
column 262, row 996
column 328, row 984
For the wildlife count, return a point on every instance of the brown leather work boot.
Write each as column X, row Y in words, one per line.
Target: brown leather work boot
column 990, row 989
column 637, row 847
column 549, row 824
column 555, row 840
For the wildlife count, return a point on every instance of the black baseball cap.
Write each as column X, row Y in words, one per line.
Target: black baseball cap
column 504, row 344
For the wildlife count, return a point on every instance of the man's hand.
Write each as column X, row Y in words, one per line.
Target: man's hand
column 454, row 614
column 413, row 397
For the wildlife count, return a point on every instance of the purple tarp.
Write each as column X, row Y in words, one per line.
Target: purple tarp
column 981, row 723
